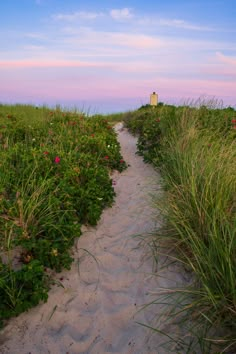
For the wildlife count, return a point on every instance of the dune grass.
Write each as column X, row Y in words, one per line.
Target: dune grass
column 195, row 150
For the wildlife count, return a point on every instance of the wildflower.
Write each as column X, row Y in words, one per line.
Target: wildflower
column 122, row 161
column 158, row 120
column 33, row 139
column 57, row 159
column 108, row 146
column 45, row 152
column 233, row 121
column 54, row 252
column 92, row 135
column 106, row 157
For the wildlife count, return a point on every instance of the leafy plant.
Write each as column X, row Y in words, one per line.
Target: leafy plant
column 54, row 177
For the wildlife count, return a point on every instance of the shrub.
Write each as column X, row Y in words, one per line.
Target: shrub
column 54, row 177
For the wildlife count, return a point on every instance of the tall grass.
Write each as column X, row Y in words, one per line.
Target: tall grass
column 195, row 150
column 201, row 189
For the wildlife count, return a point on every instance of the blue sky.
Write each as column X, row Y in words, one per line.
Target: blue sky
column 108, row 56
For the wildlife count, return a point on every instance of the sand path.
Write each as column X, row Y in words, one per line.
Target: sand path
column 110, row 280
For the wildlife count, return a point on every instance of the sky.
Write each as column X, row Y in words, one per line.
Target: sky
column 108, row 56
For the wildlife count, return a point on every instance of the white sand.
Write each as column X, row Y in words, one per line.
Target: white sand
column 109, row 281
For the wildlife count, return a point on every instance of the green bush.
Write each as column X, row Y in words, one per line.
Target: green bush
column 22, row 289
column 54, row 177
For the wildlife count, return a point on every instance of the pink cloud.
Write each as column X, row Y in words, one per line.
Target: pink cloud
column 48, row 64
column 218, row 70
column 226, row 59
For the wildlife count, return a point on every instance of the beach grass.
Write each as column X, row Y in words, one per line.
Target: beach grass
column 195, row 148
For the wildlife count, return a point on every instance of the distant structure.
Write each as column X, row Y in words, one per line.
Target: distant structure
column 153, row 99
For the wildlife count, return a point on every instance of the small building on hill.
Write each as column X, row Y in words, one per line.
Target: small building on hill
column 154, row 99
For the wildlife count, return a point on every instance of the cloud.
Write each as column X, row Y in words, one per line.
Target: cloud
column 80, row 15
column 171, row 23
column 105, row 42
column 126, row 14
column 182, row 24
column 220, row 66
column 133, row 40
column 121, row 14
column 35, row 35
column 34, row 63
column 170, row 48
column 34, row 48
column 226, row 59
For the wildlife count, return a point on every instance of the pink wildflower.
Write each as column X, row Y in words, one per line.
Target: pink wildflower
column 57, row 159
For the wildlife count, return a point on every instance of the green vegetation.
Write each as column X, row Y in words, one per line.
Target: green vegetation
column 195, row 151
column 55, row 171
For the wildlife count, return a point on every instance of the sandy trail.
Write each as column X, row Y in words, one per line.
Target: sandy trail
column 109, row 281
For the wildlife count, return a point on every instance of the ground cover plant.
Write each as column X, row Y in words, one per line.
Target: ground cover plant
column 55, row 175
column 195, row 149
